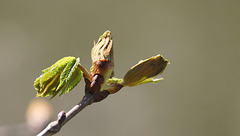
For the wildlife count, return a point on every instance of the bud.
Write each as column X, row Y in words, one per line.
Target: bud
column 102, row 56
column 144, row 71
column 112, row 85
column 63, row 76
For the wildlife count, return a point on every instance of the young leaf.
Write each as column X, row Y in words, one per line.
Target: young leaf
column 61, row 76
column 72, row 78
column 145, row 70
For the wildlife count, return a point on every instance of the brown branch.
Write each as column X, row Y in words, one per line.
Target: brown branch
column 63, row 118
column 92, row 94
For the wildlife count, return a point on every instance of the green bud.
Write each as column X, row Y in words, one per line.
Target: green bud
column 115, row 80
column 62, row 76
column 112, row 85
column 143, row 72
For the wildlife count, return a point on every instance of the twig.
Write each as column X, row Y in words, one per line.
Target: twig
column 63, row 118
column 92, row 94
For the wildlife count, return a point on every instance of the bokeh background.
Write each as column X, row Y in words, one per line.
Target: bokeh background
column 201, row 38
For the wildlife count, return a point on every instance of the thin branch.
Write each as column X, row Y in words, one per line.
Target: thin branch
column 92, row 94
column 63, row 118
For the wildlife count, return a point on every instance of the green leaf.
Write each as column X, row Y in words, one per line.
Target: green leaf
column 72, row 79
column 62, row 76
column 65, row 74
column 37, row 83
column 49, row 87
column 61, row 62
column 55, row 68
column 145, row 70
column 150, row 80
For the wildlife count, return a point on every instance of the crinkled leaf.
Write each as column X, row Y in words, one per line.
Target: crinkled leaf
column 65, row 74
column 55, row 68
column 49, row 87
column 37, row 83
column 61, row 61
column 73, row 78
column 61, row 76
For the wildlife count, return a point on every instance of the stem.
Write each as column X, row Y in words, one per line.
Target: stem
column 87, row 100
column 92, row 94
column 85, row 73
column 63, row 118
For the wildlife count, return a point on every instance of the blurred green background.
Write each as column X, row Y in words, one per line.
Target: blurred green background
column 200, row 93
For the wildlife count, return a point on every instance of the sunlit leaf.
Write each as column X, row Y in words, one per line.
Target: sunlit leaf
column 145, row 70
column 61, row 76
